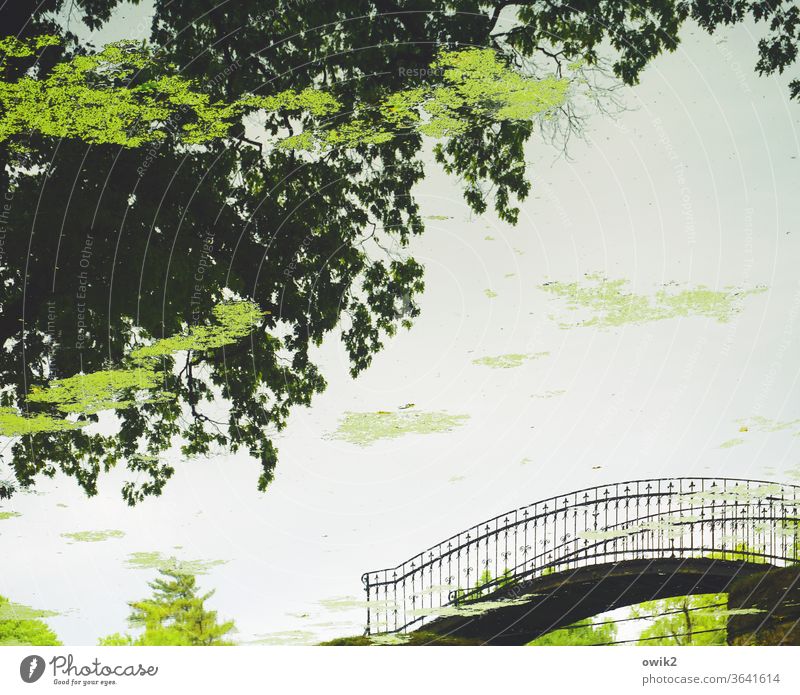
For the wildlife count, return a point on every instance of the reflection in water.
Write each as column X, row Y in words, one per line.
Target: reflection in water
column 178, row 278
column 166, row 273
column 175, row 615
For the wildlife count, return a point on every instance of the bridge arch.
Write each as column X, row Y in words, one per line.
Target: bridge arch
column 629, row 538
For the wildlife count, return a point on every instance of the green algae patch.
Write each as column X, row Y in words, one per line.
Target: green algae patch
column 154, row 560
column 364, row 429
column 610, row 304
column 417, row 638
column 763, row 424
column 738, row 493
column 603, row 535
column 14, row 424
column 93, row 536
column 491, row 294
column 9, row 515
column 730, row 443
column 469, row 609
column 475, row 82
column 16, row 611
column 550, row 394
column 133, row 384
column 287, row 637
column 97, row 391
column 508, row 361
column 235, row 320
column 438, row 217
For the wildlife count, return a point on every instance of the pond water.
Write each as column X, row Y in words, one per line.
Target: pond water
column 640, row 316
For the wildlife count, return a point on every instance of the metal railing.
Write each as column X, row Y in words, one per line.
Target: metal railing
column 729, row 519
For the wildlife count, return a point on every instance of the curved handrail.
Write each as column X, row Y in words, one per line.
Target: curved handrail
column 495, row 518
column 729, row 503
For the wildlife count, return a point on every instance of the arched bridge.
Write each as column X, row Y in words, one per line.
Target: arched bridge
column 551, row 563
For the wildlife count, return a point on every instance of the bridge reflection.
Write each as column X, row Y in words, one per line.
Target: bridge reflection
column 540, row 567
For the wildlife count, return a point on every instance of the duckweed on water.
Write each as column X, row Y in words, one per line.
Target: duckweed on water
column 9, row 515
column 93, row 536
column 763, row 424
column 491, row 294
column 16, row 611
column 757, row 423
column 287, row 637
column 612, row 305
column 602, row 535
column 473, row 79
column 14, row 424
column 550, row 394
column 155, row 560
column 132, row 384
column 364, row 429
column 508, row 361
column 92, row 393
column 730, row 443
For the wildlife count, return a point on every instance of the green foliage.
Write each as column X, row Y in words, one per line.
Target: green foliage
column 692, row 620
column 175, row 615
column 506, row 578
column 244, row 212
column 639, row 31
column 582, row 633
column 12, row 47
column 20, row 625
column 483, row 578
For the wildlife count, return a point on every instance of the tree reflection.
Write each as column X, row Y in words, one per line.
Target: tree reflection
column 107, row 248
